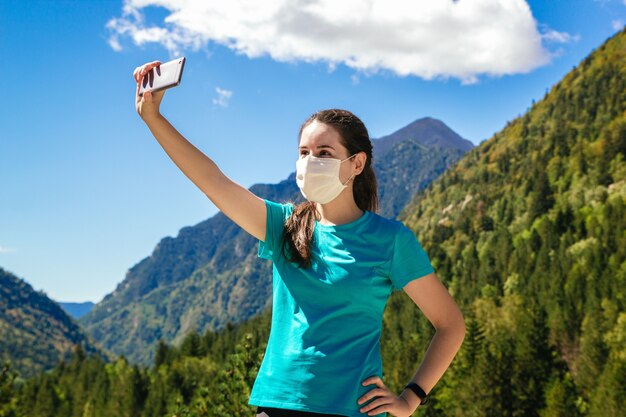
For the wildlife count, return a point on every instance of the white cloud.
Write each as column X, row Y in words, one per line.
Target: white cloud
column 617, row 24
column 223, row 97
column 424, row 38
column 559, row 37
column 4, row 249
column 114, row 43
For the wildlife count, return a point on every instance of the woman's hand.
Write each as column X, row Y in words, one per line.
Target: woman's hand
column 148, row 104
column 387, row 401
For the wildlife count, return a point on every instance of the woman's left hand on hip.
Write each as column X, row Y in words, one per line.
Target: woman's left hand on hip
column 385, row 402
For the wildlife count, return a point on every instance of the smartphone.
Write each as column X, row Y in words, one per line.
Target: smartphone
column 164, row 76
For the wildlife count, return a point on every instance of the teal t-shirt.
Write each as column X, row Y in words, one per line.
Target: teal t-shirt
column 327, row 319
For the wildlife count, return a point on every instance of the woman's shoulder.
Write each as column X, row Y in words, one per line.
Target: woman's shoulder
column 288, row 204
column 386, row 221
column 286, row 208
column 387, row 225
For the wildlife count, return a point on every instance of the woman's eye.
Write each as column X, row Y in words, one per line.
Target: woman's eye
column 319, row 155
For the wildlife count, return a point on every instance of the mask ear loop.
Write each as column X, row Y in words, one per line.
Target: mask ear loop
column 352, row 176
column 345, row 184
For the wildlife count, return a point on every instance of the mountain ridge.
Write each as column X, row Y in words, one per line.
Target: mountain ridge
column 76, row 309
column 426, row 131
column 36, row 332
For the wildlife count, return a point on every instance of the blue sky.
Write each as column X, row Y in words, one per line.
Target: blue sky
column 86, row 191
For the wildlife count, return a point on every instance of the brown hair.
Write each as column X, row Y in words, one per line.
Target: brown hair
column 298, row 232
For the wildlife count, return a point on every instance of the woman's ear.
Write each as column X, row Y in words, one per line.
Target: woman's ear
column 361, row 159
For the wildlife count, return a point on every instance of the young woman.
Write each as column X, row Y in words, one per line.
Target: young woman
column 335, row 264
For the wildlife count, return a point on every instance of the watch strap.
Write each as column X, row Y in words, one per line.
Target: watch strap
column 418, row 391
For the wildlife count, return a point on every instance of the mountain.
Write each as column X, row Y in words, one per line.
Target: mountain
column 77, row 310
column 426, row 131
column 35, row 332
column 210, row 274
column 411, row 158
column 528, row 231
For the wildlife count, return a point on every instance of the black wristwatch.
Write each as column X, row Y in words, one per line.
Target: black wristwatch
column 418, row 391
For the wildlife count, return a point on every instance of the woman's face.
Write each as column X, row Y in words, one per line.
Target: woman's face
column 323, row 141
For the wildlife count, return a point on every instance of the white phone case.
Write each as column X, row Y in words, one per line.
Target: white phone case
column 164, row 76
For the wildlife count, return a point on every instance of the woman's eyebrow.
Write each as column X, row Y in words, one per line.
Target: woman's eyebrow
column 319, row 147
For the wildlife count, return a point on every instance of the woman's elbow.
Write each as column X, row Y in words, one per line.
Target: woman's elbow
column 454, row 322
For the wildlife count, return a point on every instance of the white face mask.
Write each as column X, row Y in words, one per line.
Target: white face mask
column 318, row 178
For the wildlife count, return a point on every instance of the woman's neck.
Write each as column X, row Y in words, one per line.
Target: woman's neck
column 338, row 212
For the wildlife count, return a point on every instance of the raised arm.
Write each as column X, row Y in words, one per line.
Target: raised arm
column 239, row 204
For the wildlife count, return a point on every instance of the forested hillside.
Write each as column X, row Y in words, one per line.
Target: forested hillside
column 528, row 233
column 35, row 332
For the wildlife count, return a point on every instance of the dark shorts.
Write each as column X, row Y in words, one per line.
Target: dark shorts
column 281, row 412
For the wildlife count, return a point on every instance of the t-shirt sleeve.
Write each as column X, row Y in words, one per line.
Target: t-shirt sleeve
column 276, row 215
column 409, row 260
